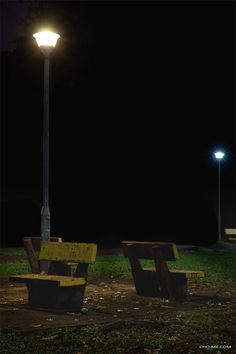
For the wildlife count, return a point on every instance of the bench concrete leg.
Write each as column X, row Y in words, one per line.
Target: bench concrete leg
column 52, row 297
column 179, row 285
column 146, row 284
column 41, row 295
column 69, row 298
column 162, row 273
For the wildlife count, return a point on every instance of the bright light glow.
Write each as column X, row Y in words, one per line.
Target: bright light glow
column 46, row 38
column 219, row 155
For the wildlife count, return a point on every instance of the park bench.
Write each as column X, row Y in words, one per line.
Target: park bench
column 32, row 247
column 159, row 280
column 230, row 234
column 60, row 290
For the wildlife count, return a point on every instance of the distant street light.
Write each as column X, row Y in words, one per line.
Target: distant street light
column 46, row 41
column 219, row 156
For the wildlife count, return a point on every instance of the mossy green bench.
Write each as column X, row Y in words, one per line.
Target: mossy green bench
column 60, row 290
column 160, row 280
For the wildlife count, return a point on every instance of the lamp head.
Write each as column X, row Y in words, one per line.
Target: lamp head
column 46, row 40
column 219, row 155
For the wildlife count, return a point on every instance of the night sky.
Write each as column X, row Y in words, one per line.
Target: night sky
column 142, row 94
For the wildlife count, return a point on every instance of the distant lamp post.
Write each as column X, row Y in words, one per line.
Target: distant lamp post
column 219, row 156
column 46, row 41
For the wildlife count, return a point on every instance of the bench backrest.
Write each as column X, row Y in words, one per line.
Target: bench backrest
column 230, row 231
column 143, row 249
column 68, row 252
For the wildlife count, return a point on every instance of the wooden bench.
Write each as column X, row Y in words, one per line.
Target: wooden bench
column 60, row 290
column 230, row 234
column 160, row 280
column 32, row 246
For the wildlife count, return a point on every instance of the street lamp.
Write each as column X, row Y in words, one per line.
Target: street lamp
column 219, row 156
column 46, row 41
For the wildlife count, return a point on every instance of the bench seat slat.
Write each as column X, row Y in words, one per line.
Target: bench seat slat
column 187, row 273
column 62, row 281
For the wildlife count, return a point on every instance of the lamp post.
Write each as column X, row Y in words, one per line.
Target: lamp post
column 46, row 41
column 219, row 156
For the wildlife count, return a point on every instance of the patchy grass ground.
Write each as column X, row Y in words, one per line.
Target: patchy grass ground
column 116, row 320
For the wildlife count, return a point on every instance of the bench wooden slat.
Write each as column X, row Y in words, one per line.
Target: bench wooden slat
column 59, row 279
column 187, row 273
column 68, row 252
column 144, row 249
column 230, row 231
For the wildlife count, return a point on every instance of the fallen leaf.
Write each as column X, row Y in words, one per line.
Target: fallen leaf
column 189, row 319
column 50, row 337
column 37, row 325
column 227, row 293
column 173, row 338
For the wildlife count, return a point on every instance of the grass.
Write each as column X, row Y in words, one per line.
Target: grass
column 12, row 268
column 226, row 243
column 218, row 267
column 12, row 252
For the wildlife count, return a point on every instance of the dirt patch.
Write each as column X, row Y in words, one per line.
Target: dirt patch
column 107, row 302
column 13, row 259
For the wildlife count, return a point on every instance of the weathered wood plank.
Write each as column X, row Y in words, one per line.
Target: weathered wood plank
column 144, row 249
column 68, row 252
column 61, row 281
column 189, row 273
column 230, row 231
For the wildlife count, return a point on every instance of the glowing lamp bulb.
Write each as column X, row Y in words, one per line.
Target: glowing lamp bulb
column 46, row 38
column 219, row 155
